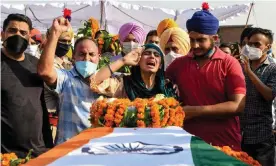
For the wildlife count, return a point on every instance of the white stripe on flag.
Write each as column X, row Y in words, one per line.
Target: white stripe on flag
column 135, row 147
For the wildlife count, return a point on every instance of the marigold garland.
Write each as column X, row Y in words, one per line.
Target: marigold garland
column 140, row 106
column 242, row 156
column 7, row 158
column 155, row 116
column 10, row 159
column 154, row 112
column 94, row 26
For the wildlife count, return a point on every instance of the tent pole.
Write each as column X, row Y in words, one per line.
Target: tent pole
column 105, row 25
column 252, row 4
column 25, row 9
column 176, row 14
column 102, row 12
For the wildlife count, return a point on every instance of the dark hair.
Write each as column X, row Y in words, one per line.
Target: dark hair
column 17, row 17
column 223, row 45
column 79, row 40
column 99, row 32
column 151, row 33
column 245, row 33
column 267, row 33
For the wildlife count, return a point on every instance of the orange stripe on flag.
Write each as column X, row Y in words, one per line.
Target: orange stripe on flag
column 70, row 145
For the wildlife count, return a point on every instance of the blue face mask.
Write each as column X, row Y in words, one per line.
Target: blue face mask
column 269, row 51
column 207, row 54
column 86, row 68
column 210, row 52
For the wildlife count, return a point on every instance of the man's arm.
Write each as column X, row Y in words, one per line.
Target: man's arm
column 233, row 107
column 235, row 90
column 131, row 59
column 45, row 67
column 264, row 90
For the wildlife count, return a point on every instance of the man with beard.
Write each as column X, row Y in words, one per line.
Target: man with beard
column 211, row 85
column 24, row 117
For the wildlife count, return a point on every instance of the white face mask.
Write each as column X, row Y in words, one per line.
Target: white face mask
column 170, row 57
column 129, row 46
column 32, row 49
column 251, row 53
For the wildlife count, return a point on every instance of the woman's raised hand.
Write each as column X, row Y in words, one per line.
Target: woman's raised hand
column 133, row 57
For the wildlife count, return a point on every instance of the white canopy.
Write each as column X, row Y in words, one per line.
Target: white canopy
column 114, row 14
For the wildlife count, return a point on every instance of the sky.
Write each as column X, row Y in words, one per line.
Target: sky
column 263, row 13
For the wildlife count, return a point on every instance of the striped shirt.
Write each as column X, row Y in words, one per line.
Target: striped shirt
column 75, row 102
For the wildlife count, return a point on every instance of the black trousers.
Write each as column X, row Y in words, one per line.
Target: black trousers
column 264, row 152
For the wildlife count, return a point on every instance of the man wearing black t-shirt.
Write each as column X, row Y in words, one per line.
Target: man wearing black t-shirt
column 24, row 117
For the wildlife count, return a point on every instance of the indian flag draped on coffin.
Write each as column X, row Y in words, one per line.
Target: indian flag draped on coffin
column 135, row 147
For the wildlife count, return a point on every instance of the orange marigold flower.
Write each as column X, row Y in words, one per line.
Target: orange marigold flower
column 140, row 124
column 110, row 111
column 140, row 115
column 108, row 124
column 118, row 116
column 239, row 155
column 108, row 117
column 117, row 121
column 121, row 111
column 5, row 163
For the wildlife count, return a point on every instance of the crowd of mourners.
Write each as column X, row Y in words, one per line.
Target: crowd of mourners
column 227, row 89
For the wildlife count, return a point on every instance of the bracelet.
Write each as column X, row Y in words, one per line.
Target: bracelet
column 93, row 85
column 111, row 72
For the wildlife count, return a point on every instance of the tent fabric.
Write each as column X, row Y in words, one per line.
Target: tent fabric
column 42, row 13
column 222, row 13
column 118, row 13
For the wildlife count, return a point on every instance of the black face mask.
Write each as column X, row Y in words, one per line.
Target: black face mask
column 62, row 49
column 16, row 44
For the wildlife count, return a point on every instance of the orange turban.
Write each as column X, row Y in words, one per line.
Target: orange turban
column 178, row 36
column 165, row 24
column 36, row 35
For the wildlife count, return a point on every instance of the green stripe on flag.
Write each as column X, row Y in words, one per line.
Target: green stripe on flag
column 206, row 155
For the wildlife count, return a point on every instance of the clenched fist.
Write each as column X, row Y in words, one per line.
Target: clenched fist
column 60, row 25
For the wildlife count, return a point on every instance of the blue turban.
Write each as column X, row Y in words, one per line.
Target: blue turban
column 203, row 22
